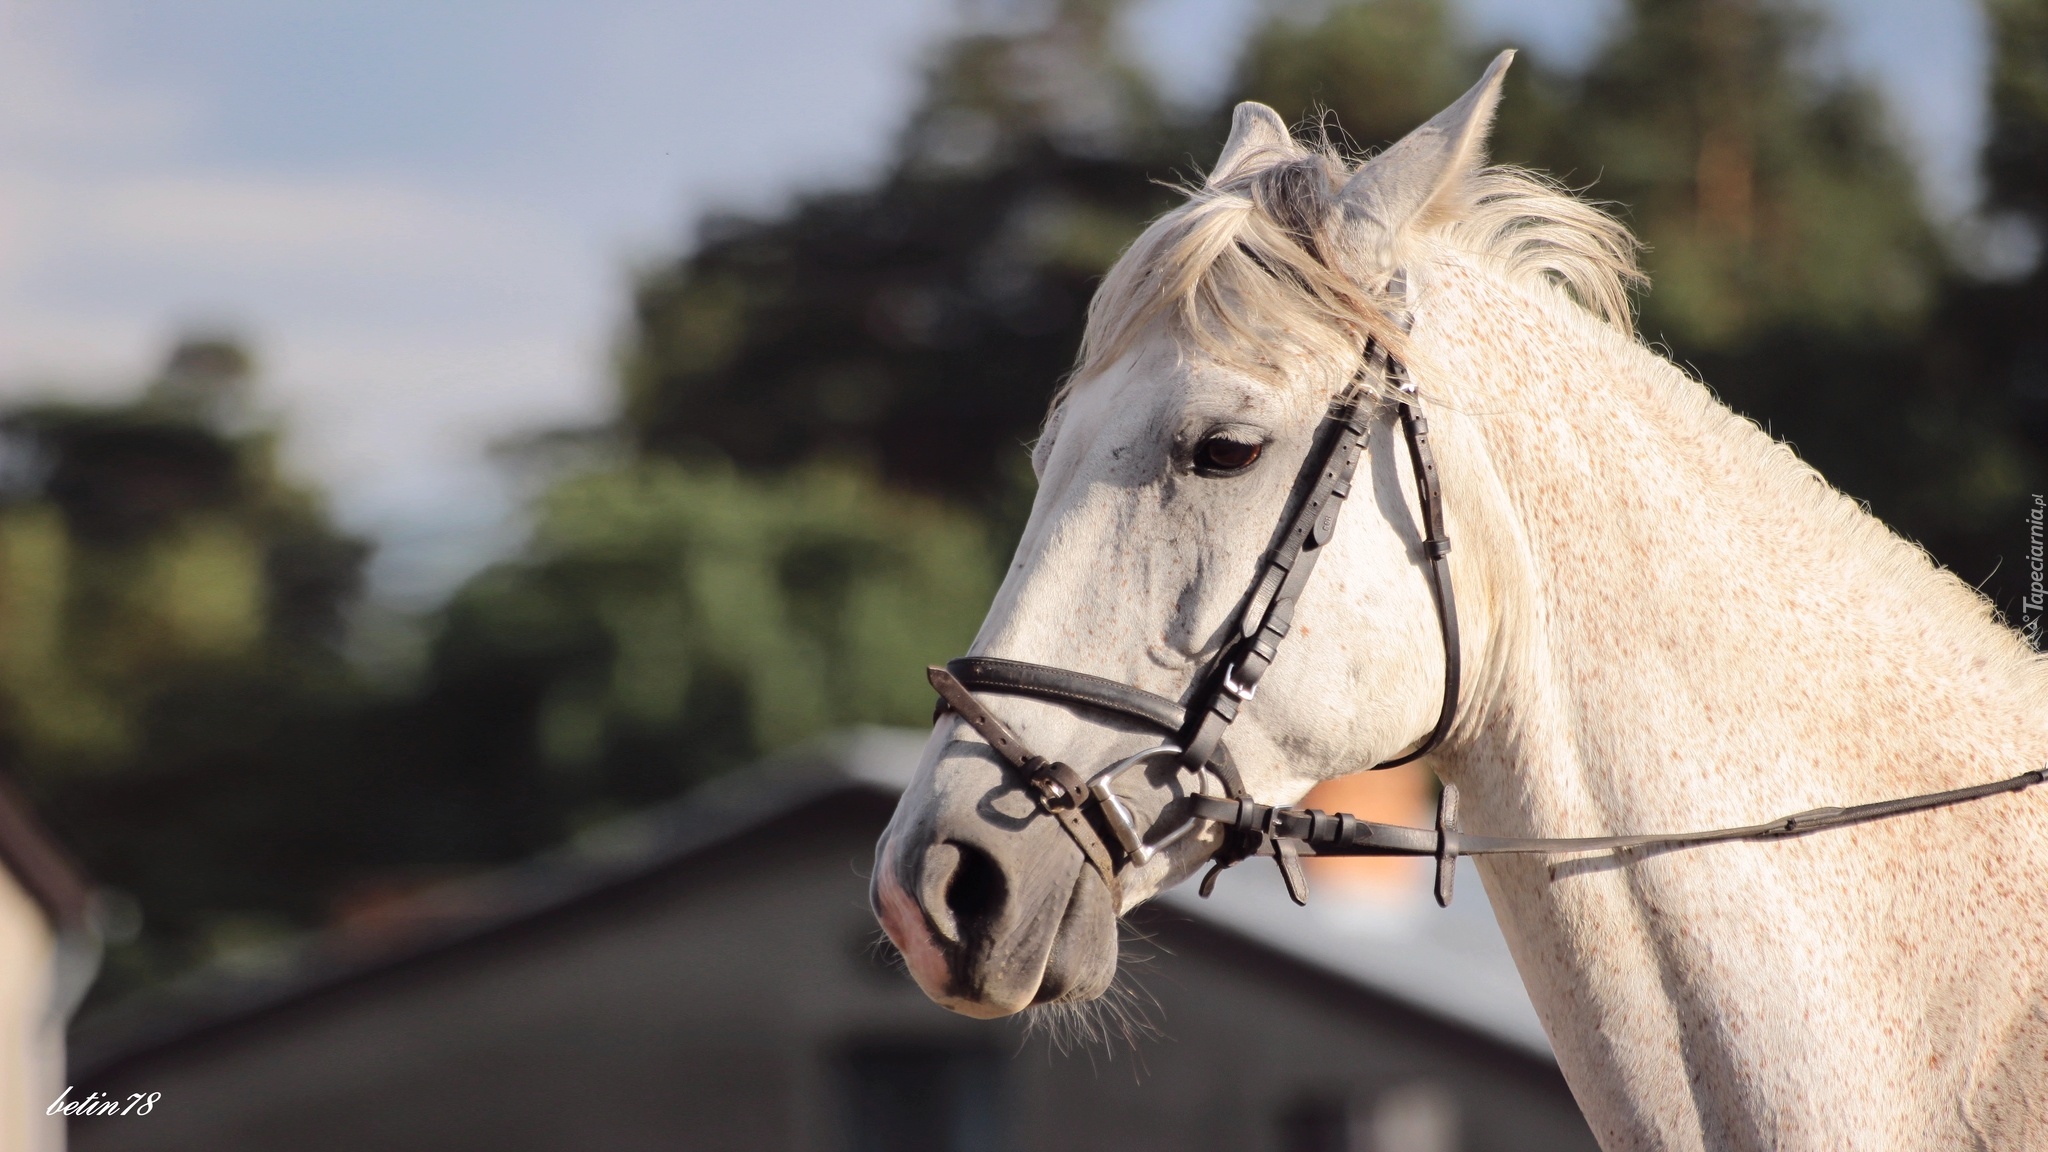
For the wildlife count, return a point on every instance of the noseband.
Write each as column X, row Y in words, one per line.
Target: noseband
column 1086, row 805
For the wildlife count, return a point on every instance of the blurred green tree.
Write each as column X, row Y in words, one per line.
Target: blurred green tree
column 668, row 622
column 1369, row 69
column 2016, row 155
column 1767, row 191
column 1770, row 192
column 148, row 543
column 171, row 607
column 773, row 557
column 1793, row 263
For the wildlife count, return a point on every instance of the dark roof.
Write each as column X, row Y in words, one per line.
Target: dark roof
column 478, row 911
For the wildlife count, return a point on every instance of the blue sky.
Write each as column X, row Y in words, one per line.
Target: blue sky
column 423, row 212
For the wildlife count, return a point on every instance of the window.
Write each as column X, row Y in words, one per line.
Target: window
column 1415, row 1117
column 902, row 1097
column 1319, row 1124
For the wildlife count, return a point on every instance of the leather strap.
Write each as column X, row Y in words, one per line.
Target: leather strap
column 1784, row 827
column 1268, row 615
column 1061, row 790
column 1436, row 549
column 1318, row 833
column 1044, row 682
column 1446, row 837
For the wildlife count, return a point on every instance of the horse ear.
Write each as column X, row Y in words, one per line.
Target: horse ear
column 1254, row 128
column 1411, row 179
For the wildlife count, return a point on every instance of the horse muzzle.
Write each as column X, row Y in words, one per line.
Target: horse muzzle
column 992, row 911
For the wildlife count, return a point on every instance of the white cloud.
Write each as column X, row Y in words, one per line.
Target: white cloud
column 389, row 420
column 53, row 103
column 402, row 323
column 195, row 232
column 426, row 257
column 291, row 222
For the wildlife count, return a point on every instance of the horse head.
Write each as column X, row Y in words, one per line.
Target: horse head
column 1213, row 348
column 1665, row 622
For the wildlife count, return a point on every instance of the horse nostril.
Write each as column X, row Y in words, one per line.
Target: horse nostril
column 977, row 888
column 941, row 862
column 960, row 887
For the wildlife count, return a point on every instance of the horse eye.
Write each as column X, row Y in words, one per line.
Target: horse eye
column 1218, row 455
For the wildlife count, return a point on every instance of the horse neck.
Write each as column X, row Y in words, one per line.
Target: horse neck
column 1677, row 626
column 1683, row 624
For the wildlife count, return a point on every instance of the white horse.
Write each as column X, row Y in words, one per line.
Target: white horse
column 1670, row 623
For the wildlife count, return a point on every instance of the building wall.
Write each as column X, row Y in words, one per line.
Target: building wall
column 31, row 1041
column 739, row 1002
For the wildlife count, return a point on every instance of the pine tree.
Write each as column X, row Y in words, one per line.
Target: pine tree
column 1369, row 71
column 1769, row 193
column 1986, row 353
column 2016, row 156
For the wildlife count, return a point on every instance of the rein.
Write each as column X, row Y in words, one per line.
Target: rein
column 1085, row 806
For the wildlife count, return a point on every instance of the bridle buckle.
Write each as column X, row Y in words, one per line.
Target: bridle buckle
column 1122, row 822
column 1057, row 784
column 1237, row 689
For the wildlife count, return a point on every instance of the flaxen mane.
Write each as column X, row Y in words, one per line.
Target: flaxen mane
column 1250, row 270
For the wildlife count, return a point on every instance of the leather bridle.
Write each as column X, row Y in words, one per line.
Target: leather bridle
column 1087, row 806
